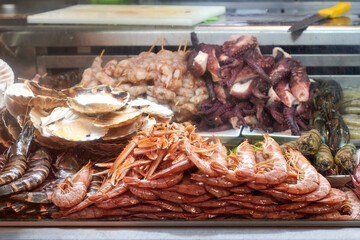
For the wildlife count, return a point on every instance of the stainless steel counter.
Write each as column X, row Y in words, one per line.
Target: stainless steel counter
column 172, row 233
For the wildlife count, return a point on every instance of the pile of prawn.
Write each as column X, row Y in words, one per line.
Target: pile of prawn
column 160, row 77
column 169, row 172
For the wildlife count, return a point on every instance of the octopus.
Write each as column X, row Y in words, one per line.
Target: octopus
column 243, row 84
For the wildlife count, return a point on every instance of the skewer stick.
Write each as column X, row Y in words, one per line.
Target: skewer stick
column 162, row 43
column 102, row 52
column 185, row 46
column 152, row 47
column 119, row 83
column 180, row 44
column 44, row 75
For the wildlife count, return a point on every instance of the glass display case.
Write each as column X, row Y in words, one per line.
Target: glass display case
column 60, row 54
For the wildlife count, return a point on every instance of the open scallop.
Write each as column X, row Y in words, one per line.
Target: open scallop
column 126, row 130
column 76, row 130
column 153, row 109
column 6, row 75
column 17, row 99
column 53, row 142
column 98, row 100
column 117, row 119
column 66, row 124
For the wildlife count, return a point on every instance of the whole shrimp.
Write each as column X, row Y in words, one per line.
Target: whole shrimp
column 272, row 169
column 16, row 157
column 203, row 163
column 174, row 168
column 335, row 196
column 240, row 165
column 215, row 181
column 352, row 204
column 187, row 186
column 38, row 170
column 307, row 179
column 106, row 191
column 124, row 200
column 321, row 192
column 164, row 182
column 73, row 191
column 319, row 208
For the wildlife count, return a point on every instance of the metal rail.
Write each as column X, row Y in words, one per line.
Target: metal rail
column 29, row 44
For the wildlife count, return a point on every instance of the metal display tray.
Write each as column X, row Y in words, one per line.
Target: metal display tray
column 173, row 223
column 236, row 135
column 230, row 137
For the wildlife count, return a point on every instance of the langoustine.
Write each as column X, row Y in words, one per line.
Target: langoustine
column 71, row 192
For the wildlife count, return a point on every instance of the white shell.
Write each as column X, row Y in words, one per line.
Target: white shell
column 66, row 124
column 124, row 131
column 19, row 90
column 117, row 119
column 17, row 98
column 76, row 130
column 6, row 75
column 98, row 102
column 153, row 109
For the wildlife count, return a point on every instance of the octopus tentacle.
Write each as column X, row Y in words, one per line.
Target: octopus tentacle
column 276, row 111
column 302, row 123
column 252, row 63
column 289, row 113
column 281, row 70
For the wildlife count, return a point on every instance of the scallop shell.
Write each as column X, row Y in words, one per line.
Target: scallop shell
column 151, row 108
column 17, row 98
column 10, row 123
column 53, row 142
column 43, row 91
column 117, row 119
column 124, row 131
column 66, row 124
column 76, row 130
column 6, row 75
column 98, row 101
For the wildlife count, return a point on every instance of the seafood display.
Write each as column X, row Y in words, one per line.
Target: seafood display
column 123, row 143
column 169, row 172
column 246, row 88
